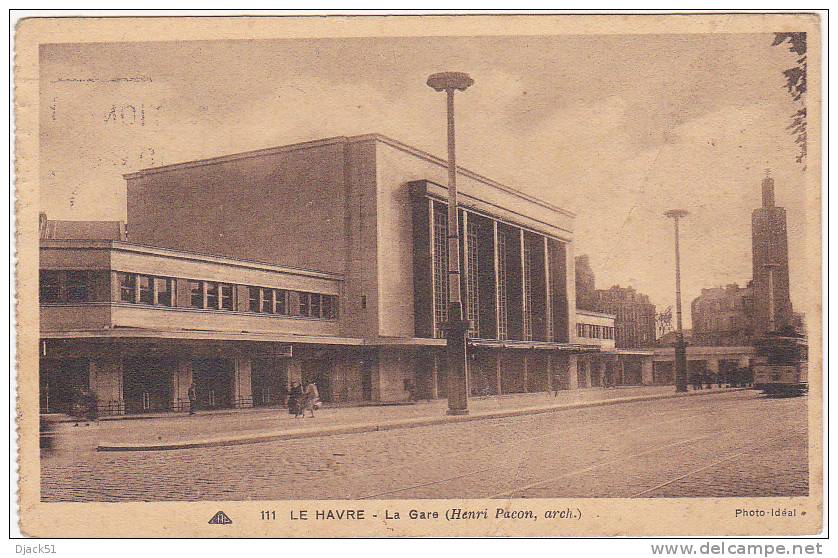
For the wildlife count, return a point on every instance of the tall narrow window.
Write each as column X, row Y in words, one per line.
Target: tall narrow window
column 212, row 295
column 49, row 286
column 196, row 294
column 267, row 301
column 127, row 287
column 146, row 292
column 226, row 293
column 281, row 301
column 305, row 304
column 503, row 315
column 253, row 295
column 315, row 305
column 473, row 283
column 164, row 291
column 440, row 269
column 528, row 292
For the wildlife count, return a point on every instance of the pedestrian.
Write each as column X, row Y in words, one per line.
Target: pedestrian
column 311, row 399
column 295, row 399
column 193, row 399
column 411, row 390
column 91, row 406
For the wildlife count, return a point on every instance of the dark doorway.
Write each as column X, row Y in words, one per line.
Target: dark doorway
column 213, row 380
column 147, row 384
column 269, row 381
column 60, row 383
column 318, row 371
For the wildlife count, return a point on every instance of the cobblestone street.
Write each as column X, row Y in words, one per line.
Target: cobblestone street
column 732, row 444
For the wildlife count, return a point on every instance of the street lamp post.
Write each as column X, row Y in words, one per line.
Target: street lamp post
column 680, row 344
column 457, row 327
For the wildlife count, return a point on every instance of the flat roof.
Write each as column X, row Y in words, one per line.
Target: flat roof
column 87, row 244
column 344, row 140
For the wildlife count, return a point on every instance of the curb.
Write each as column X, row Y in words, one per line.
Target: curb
column 395, row 424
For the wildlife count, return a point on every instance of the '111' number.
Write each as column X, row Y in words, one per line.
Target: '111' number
column 269, row 515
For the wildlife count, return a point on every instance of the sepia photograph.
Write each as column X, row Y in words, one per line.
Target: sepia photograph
column 464, row 275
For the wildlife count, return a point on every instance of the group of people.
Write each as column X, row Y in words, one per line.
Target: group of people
column 741, row 377
column 302, row 399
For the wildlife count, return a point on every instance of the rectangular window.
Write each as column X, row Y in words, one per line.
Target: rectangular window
column 580, row 331
column 503, row 315
column 305, row 304
column 49, row 286
column 212, row 295
column 226, row 296
column 528, row 263
column 440, row 269
column 127, row 287
column 315, row 305
column 281, row 301
column 253, row 296
column 78, row 286
column 165, row 287
column 146, row 293
column 267, row 301
column 196, row 294
column 330, row 307
column 473, row 283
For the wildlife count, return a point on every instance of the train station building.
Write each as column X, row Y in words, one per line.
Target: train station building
column 322, row 261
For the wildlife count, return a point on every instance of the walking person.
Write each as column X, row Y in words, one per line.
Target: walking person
column 295, row 400
column 193, row 398
column 311, row 399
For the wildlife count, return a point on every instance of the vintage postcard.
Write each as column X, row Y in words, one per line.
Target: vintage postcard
column 466, row 275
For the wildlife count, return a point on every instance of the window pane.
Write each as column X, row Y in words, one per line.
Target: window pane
column 305, row 306
column 281, row 306
column 146, row 294
column 196, row 292
column 127, row 284
column 253, row 293
column 212, row 296
column 227, row 297
column 267, row 301
column 164, row 291
column 49, row 289
column 315, row 305
column 78, row 286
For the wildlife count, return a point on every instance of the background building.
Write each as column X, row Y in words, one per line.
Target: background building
column 723, row 316
column 634, row 315
column 770, row 257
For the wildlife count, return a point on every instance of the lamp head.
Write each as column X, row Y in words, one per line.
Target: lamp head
column 444, row 81
column 676, row 213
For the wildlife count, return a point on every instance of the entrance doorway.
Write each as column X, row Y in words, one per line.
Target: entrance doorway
column 213, row 380
column 147, row 384
column 61, row 381
column 318, row 371
column 269, row 381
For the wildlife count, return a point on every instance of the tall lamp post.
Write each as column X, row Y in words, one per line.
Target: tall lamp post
column 680, row 344
column 457, row 326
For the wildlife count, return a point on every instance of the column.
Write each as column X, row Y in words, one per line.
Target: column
column 548, row 294
column 106, row 384
column 588, row 378
column 526, row 325
column 647, row 376
column 572, row 376
column 550, row 371
column 622, row 369
column 525, row 363
column 496, row 268
column 498, row 372
column 242, row 387
column 181, row 379
column 434, row 377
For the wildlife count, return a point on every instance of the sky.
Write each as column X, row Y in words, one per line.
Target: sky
column 616, row 128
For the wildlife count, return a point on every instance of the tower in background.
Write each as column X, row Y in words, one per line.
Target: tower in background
column 770, row 264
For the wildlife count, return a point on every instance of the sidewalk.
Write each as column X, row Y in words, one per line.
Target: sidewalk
column 262, row 425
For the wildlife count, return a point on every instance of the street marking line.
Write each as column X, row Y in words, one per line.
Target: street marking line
column 600, row 465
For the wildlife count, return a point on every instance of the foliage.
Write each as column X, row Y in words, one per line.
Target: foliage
column 796, row 85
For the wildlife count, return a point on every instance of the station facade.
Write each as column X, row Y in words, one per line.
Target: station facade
column 321, row 261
